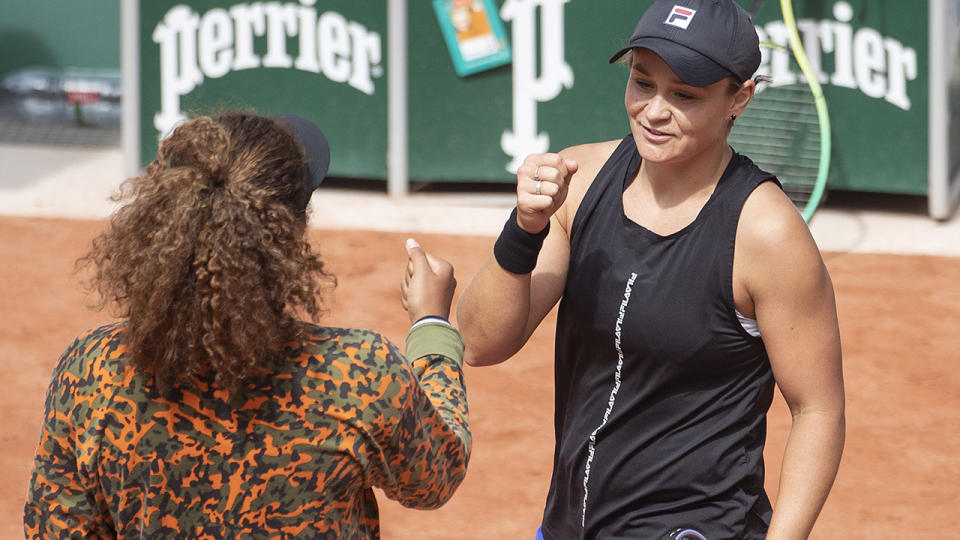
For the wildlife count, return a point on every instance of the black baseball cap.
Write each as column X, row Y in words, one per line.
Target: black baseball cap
column 315, row 146
column 703, row 41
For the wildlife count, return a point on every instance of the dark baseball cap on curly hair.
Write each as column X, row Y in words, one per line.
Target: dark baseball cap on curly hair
column 703, row 41
column 315, row 146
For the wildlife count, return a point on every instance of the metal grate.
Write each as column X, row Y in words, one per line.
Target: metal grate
column 14, row 129
column 780, row 132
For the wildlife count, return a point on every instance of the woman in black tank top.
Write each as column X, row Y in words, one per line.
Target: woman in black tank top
column 689, row 286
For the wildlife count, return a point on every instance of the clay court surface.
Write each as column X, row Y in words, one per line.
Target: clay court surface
column 899, row 319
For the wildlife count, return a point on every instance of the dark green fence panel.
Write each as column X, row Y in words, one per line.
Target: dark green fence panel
column 59, row 34
column 325, row 60
column 871, row 54
column 559, row 91
column 873, row 57
column 552, row 96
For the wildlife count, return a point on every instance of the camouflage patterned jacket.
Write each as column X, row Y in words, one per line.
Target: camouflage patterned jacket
column 298, row 458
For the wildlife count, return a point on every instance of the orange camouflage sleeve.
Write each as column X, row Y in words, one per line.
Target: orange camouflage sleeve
column 424, row 450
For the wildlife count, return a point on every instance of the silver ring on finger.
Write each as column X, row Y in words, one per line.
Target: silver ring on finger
column 539, row 184
column 536, row 174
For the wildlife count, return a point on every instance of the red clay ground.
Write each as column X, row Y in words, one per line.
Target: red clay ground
column 899, row 319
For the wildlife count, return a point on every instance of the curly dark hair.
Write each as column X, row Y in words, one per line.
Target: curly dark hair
column 208, row 261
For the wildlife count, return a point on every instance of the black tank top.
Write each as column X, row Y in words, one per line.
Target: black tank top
column 661, row 395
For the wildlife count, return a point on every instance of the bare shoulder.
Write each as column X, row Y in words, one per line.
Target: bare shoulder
column 590, row 158
column 774, row 246
column 769, row 221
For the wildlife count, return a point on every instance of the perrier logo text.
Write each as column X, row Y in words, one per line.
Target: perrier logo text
column 222, row 40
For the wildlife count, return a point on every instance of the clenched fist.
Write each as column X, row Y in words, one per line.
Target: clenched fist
column 428, row 284
column 542, row 183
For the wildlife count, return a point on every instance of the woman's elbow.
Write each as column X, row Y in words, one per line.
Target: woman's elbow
column 436, row 496
column 476, row 357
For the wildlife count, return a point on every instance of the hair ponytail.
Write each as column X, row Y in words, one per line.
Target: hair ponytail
column 209, row 260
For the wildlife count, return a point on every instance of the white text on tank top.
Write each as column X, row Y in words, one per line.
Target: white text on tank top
column 591, row 446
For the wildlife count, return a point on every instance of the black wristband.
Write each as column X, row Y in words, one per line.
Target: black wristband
column 516, row 250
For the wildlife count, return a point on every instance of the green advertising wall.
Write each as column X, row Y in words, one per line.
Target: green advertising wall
column 324, row 61
column 456, row 123
column 873, row 60
column 58, row 34
column 872, row 55
column 559, row 89
column 878, row 99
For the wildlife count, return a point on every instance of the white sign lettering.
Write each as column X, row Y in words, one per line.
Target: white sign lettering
column 528, row 88
column 864, row 59
column 224, row 40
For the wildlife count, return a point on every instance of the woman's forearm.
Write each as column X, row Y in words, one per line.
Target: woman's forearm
column 492, row 314
column 810, row 462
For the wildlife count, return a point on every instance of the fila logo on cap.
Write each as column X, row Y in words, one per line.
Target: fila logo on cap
column 680, row 17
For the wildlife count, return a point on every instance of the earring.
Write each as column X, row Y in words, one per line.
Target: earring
column 733, row 117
